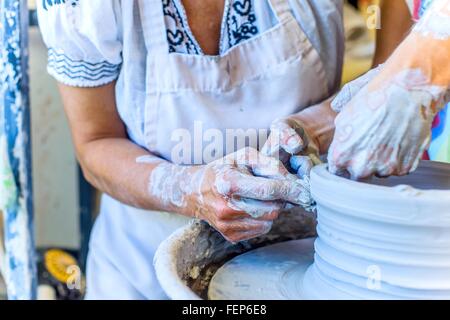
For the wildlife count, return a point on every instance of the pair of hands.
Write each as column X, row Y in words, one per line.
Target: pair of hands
column 383, row 127
column 242, row 194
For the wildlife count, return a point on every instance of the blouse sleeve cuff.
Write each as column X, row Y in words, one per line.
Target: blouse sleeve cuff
column 78, row 73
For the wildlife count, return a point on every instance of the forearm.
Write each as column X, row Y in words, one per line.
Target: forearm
column 319, row 120
column 108, row 158
column 426, row 50
column 113, row 166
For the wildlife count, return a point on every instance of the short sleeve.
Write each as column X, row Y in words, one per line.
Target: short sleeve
column 83, row 39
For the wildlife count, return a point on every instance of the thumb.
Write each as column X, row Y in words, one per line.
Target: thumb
column 283, row 137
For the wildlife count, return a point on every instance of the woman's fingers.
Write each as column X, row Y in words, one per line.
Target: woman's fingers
column 264, row 210
column 248, row 204
column 259, row 164
column 288, row 140
column 235, row 208
column 237, row 225
column 243, row 219
column 283, row 137
column 272, row 180
column 259, row 188
column 291, row 189
column 244, row 229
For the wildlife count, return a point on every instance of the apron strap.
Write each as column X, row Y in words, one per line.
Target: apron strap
column 154, row 26
column 282, row 9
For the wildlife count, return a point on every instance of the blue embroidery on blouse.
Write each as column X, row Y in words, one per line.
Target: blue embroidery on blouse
column 178, row 38
column 241, row 22
column 80, row 70
column 240, row 25
column 50, row 3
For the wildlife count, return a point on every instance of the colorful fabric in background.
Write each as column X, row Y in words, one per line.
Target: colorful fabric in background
column 419, row 8
column 440, row 144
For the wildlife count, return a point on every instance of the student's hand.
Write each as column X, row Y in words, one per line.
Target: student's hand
column 386, row 127
column 385, row 131
column 300, row 139
column 239, row 195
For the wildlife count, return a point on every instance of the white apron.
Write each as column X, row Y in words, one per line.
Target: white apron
column 272, row 75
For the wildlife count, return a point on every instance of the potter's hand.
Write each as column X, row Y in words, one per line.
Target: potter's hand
column 300, row 139
column 292, row 144
column 385, row 131
column 351, row 89
column 386, row 127
column 239, row 195
column 380, row 132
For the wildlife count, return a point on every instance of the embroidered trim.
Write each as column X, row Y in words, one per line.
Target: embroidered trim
column 177, row 36
column 241, row 22
column 239, row 25
column 63, row 65
column 50, row 3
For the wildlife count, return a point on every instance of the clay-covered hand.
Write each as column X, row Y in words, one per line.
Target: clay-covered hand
column 385, row 131
column 239, row 195
column 351, row 89
column 292, row 144
column 386, row 127
column 300, row 139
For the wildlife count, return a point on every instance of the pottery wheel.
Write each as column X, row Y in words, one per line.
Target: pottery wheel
column 274, row 272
